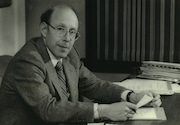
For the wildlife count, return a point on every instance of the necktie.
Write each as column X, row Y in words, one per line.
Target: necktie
column 62, row 78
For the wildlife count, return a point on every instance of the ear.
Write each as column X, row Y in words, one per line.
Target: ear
column 43, row 29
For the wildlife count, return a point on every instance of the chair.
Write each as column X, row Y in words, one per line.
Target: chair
column 4, row 60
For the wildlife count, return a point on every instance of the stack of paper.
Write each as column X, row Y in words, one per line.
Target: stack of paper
column 160, row 70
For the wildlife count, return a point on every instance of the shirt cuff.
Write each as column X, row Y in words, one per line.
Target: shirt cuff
column 96, row 113
column 124, row 95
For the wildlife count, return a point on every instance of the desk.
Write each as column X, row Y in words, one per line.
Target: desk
column 171, row 106
column 170, row 103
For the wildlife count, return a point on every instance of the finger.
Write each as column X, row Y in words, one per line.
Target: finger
column 130, row 115
column 149, row 94
column 132, row 112
column 131, row 106
column 156, row 98
column 125, row 117
column 156, row 103
column 155, row 94
column 132, row 109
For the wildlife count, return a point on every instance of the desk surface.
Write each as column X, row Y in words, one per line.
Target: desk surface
column 171, row 106
column 170, row 103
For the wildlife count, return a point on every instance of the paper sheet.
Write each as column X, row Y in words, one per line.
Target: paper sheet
column 145, row 113
column 138, row 85
column 176, row 88
column 150, row 114
column 145, row 100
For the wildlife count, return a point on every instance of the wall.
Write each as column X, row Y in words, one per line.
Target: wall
column 34, row 9
column 12, row 27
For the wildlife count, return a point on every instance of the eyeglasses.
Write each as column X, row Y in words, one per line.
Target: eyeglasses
column 61, row 31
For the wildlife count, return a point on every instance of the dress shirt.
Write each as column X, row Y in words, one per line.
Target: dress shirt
column 54, row 60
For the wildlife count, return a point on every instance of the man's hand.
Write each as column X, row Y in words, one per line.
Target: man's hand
column 120, row 111
column 136, row 97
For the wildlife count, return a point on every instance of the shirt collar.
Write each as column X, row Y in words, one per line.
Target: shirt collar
column 53, row 58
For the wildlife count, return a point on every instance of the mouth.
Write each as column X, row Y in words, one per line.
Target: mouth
column 63, row 46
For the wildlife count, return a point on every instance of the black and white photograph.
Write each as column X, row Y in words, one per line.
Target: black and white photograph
column 89, row 62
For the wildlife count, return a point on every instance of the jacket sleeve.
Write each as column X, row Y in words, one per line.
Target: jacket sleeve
column 99, row 90
column 27, row 79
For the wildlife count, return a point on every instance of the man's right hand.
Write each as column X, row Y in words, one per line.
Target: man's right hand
column 120, row 111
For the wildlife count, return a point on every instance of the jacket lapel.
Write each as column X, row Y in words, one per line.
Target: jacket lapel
column 72, row 79
column 55, row 80
column 50, row 68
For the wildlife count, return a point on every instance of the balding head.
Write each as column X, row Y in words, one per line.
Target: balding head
column 46, row 16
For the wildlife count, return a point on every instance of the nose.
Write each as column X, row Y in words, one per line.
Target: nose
column 67, row 36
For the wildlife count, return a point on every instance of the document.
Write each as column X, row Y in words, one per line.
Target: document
column 176, row 88
column 139, row 85
column 149, row 114
column 145, row 100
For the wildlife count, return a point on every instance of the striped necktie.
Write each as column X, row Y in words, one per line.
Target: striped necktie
column 62, row 78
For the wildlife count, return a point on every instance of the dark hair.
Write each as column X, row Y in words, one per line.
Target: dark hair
column 45, row 17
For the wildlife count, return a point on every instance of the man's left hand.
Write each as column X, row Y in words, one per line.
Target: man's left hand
column 136, row 97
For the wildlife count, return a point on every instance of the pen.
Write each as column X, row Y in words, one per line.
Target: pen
column 133, row 110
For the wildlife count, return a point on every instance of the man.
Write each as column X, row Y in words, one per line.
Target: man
column 35, row 92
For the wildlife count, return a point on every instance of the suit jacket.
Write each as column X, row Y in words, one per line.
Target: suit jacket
column 31, row 93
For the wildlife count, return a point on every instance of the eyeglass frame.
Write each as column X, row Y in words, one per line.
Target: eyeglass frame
column 77, row 35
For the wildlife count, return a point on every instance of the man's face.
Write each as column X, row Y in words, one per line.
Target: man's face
column 60, row 45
